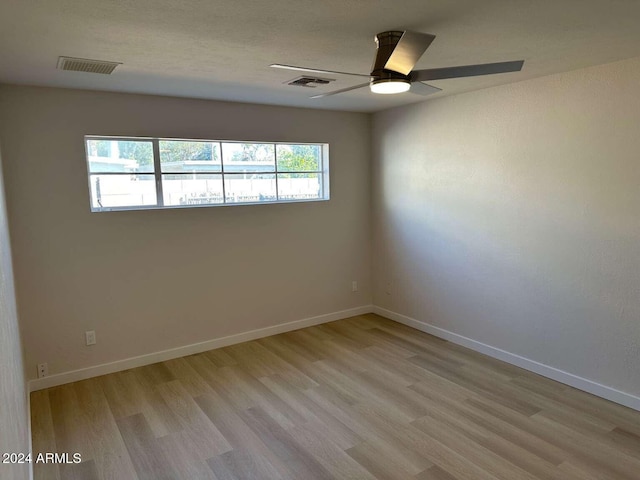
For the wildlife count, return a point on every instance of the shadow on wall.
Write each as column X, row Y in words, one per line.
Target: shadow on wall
column 506, row 264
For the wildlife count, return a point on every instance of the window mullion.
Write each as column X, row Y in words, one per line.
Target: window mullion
column 275, row 159
column 157, row 172
column 224, row 191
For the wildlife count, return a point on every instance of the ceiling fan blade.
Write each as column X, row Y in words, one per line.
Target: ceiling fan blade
column 341, row 91
column 408, row 51
column 466, row 71
column 424, row 89
column 314, row 70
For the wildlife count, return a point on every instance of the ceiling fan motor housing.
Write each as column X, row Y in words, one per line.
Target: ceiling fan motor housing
column 386, row 43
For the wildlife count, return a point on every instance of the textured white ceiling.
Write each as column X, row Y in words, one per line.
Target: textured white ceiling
column 221, row 49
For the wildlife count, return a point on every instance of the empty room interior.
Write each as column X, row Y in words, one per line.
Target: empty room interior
column 320, row 240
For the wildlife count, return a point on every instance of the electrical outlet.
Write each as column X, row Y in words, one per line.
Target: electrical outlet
column 90, row 337
column 388, row 287
column 354, row 286
column 43, row 370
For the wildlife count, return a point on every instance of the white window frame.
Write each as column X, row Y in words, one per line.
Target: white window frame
column 323, row 173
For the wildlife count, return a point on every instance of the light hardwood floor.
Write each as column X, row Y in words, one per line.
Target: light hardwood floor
column 361, row 398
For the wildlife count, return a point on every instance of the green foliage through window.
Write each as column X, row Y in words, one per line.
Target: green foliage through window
column 181, row 151
column 298, row 158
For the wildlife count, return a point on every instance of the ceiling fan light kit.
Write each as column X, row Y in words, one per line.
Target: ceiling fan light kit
column 389, row 86
column 396, row 55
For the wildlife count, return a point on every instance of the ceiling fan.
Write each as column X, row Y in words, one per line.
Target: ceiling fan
column 396, row 55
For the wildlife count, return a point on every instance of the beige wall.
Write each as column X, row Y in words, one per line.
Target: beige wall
column 14, row 436
column 511, row 216
column 507, row 215
column 152, row 280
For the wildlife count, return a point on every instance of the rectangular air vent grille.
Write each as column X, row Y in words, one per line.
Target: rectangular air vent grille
column 310, row 82
column 87, row 65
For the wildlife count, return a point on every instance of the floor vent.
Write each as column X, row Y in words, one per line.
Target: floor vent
column 87, row 65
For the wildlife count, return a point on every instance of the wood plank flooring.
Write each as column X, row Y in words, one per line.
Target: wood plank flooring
column 362, row 398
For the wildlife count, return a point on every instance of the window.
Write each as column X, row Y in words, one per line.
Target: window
column 139, row 173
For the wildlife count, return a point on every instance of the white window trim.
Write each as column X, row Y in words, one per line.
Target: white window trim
column 323, row 172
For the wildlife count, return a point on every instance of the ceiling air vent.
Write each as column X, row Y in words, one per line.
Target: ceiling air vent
column 87, row 65
column 310, row 82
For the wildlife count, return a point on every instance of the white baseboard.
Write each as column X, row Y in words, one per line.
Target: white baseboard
column 609, row 393
column 119, row 365
column 567, row 378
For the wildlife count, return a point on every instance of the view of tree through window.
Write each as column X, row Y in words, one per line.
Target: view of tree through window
column 125, row 173
column 298, row 157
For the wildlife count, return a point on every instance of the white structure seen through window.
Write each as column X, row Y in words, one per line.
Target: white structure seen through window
column 137, row 173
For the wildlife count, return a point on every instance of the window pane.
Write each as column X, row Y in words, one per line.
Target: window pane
column 299, row 158
column 192, row 189
column 240, row 188
column 299, row 186
column 122, row 191
column 189, row 156
column 105, row 155
column 248, row 157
